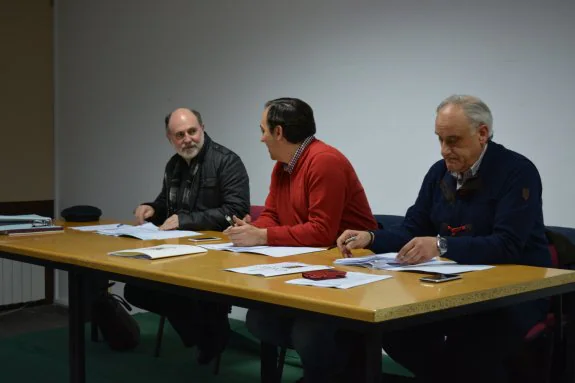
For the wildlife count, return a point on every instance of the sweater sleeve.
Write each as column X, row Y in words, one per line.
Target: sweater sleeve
column 515, row 217
column 327, row 187
column 269, row 216
column 417, row 222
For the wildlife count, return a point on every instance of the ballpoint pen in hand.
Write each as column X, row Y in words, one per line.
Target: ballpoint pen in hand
column 350, row 239
column 230, row 221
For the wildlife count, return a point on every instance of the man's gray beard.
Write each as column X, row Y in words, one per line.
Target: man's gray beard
column 190, row 153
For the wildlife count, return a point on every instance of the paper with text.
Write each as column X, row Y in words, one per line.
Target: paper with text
column 352, row 279
column 109, row 226
column 160, row 251
column 275, row 269
column 386, row 261
column 146, row 231
column 271, row 251
column 443, row 269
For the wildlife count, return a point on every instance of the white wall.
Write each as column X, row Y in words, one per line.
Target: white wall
column 372, row 70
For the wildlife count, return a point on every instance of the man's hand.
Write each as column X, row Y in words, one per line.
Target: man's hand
column 171, row 223
column 143, row 212
column 418, row 250
column 244, row 234
column 352, row 239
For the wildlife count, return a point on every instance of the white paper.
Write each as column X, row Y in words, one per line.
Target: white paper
column 443, row 269
column 32, row 220
column 386, row 261
column 146, row 231
column 17, row 226
column 161, row 251
column 24, row 218
column 275, row 269
column 110, row 226
column 271, row 251
column 352, row 279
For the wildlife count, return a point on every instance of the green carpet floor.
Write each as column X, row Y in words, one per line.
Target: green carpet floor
column 43, row 357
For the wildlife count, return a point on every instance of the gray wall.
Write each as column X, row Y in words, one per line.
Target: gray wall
column 373, row 71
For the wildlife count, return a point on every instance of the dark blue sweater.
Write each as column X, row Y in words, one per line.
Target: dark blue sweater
column 500, row 210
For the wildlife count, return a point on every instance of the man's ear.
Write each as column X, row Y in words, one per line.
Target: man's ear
column 278, row 132
column 483, row 131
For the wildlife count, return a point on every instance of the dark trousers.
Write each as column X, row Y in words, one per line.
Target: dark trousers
column 197, row 322
column 471, row 349
column 321, row 345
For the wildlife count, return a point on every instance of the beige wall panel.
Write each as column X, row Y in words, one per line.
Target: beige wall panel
column 26, row 101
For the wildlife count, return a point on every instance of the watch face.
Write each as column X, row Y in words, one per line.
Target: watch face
column 442, row 245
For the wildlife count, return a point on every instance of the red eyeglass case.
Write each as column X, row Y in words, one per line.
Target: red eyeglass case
column 319, row 275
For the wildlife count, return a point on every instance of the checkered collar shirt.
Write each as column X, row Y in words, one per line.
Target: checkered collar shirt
column 290, row 167
column 462, row 177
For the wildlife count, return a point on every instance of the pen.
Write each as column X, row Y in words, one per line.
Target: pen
column 230, row 221
column 350, row 239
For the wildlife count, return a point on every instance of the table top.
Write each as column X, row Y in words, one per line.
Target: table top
column 398, row 297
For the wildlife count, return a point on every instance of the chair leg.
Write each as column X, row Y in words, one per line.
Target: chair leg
column 159, row 336
column 94, row 331
column 217, row 363
column 268, row 363
column 281, row 361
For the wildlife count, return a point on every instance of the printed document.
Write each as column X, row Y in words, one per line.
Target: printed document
column 275, row 269
column 146, row 231
column 352, row 279
column 23, row 221
column 386, row 261
column 161, row 251
column 109, row 226
column 271, row 251
column 442, row 269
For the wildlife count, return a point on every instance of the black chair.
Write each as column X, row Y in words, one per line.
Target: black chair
column 160, row 335
column 94, row 334
column 547, row 356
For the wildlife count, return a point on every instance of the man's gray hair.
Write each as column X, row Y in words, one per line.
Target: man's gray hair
column 474, row 109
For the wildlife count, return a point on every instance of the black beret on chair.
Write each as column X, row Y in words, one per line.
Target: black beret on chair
column 81, row 213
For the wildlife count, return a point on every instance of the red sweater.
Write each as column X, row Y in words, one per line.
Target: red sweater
column 317, row 202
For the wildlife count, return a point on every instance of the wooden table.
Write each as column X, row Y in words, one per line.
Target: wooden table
column 370, row 309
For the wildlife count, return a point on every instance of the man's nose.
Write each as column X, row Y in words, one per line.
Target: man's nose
column 445, row 149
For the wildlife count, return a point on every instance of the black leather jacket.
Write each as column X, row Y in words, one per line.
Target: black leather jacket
column 219, row 187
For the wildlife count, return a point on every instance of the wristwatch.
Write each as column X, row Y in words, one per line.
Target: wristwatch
column 441, row 245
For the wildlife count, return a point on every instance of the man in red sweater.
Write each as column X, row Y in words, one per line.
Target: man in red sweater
column 314, row 196
column 315, row 193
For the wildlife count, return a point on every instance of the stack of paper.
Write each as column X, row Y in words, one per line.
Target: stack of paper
column 161, row 251
column 274, row 269
column 388, row 261
column 24, row 221
column 109, row 226
column 385, row 261
column 272, row 251
column 146, row 231
column 27, row 224
column 351, row 279
column 442, row 269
